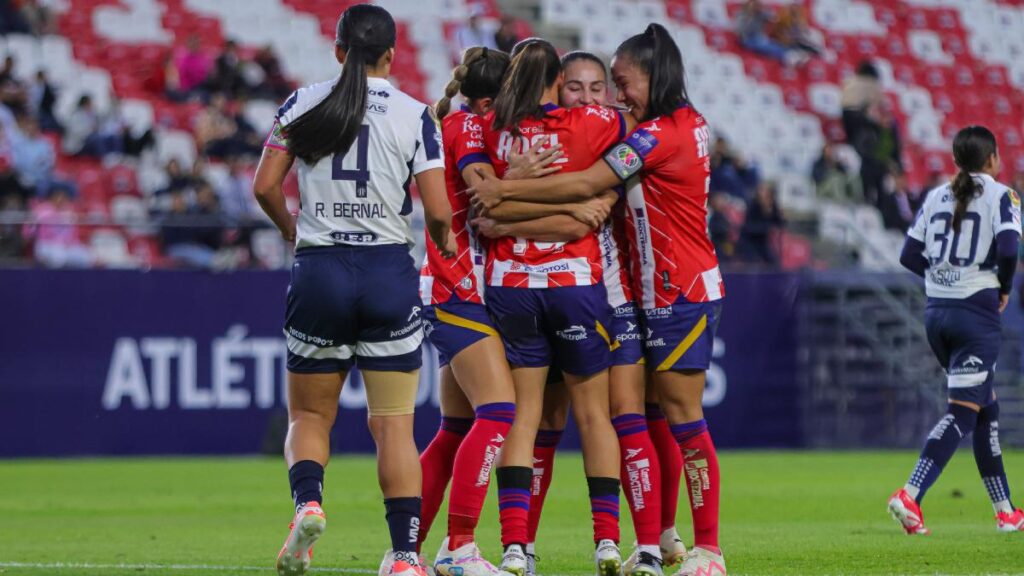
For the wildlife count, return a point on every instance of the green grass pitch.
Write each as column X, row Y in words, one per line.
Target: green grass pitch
column 798, row 513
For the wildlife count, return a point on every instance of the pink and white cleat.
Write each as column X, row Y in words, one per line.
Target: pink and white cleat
column 907, row 512
column 406, row 565
column 702, row 562
column 296, row 554
column 1010, row 521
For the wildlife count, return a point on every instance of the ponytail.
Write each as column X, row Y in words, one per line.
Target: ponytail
column 478, row 76
column 535, row 67
column 451, row 90
column 657, row 55
column 973, row 147
column 365, row 32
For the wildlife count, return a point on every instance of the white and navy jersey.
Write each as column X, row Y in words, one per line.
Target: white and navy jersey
column 362, row 198
column 962, row 263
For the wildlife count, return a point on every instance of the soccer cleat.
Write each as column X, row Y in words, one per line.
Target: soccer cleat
column 646, row 565
column 702, row 562
column 389, row 559
column 401, row 567
column 672, row 548
column 296, row 554
column 531, row 560
column 513, row 561
column 1010, row 521
column 466, row 561
column 907, row 512
column 607, row 559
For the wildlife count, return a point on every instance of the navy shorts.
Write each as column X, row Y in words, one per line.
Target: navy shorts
column 456, row 325
column 681, row 336
column 627, row 333
column 538, row 324
column 966, row 341
column 354, row 305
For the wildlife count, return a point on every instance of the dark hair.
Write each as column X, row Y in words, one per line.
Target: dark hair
column 479, row 76
column 535, row 67
column 585, row 56
column 657, row 55
column 868, row 68
column 365, row 32
column 972, row 148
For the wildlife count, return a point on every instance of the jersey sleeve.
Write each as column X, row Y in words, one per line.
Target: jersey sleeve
column 603, row 126
column 429, row 154
column 467, row 147
column 640, row 149
column 277, row 137
column 917, row 229
column 1007, row 216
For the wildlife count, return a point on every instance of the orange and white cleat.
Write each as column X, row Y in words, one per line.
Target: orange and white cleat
column 305, row 529
column 907, row 512
column 1010, row 521
column 406, row 564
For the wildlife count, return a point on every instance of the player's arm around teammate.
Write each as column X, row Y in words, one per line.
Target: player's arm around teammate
column 681, row 289
column 352, row 300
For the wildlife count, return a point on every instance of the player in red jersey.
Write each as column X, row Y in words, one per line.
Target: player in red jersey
column 475, row 380
column 548, row 299
column 652, row 487
column 679, row 286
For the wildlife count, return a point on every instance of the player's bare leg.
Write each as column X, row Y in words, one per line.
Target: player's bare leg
column 682, row 392
column 590, row 406
column 640, row 470
column 312, row 409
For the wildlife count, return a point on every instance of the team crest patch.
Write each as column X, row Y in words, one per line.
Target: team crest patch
column 1014, row 198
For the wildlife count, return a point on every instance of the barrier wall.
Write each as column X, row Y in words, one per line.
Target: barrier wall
column 172, row 362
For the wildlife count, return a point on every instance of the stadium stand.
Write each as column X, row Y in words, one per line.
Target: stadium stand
column 777, row 114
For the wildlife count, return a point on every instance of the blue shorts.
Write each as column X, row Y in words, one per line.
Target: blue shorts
column 456, row 325
column 966, row 340
column 569, row 323
column 681, row 336
column 354, row 305
column 628, row 348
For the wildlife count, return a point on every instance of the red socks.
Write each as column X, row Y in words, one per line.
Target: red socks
column 604, row 507
column 543, row 466
column 472, row 470
column 641, row 477
column 437, row 462
column 671, row 461
column 702, row 480
column 514, row 503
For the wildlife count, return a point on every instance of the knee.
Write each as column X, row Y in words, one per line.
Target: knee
column 554, row 417
column 590, row 416
column 385, row 429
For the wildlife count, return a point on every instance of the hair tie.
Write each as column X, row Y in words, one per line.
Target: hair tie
column 483, row 54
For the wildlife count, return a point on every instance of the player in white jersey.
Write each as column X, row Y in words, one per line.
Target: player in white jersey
column 353, row 298
column 964, row 243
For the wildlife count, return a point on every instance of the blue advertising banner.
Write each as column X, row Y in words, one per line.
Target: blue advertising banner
column 175, row 362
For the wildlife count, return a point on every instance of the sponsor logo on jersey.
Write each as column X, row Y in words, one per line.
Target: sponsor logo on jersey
column 377, row 108
column 1014, row 198
column 466, row 283
column 402, row 332
column 601, row 112
column 574, row 333
column 697, row 478
column 642, row 141
column 309, row 339
column 633, row 453
column 414, row 313
column 517, row 266
column 490, row 455
column 353, row 237
column 380, row 93
column 639, row 476
column 630, row 326
column 943, row 277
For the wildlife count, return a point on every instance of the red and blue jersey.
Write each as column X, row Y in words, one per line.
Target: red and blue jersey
column 672, row 255
column 614, row 242
column 460, row 277
column 585, row 133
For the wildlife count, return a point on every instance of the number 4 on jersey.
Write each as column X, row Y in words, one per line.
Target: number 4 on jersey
column 361, row 175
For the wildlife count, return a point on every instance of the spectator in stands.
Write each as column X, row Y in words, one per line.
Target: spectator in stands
column 730, row 172
column 57, row 244
column 193, row 67
column 506, row 37
column 720, row 228
column 274, row 85
column 860, row 92
column 12, row 20
column 880, row 149
column 178, row 180
column 759, row 235
column 897, row 203
column 228, row 76
column 473, row 33
column 10, row 185
column 165, row 80
column 236, row 195
column 12, row 89
column 41, row 99
column 88, row 133
column 38, row 17
column 192, row 235
column 791, row 30
column 222, row 132
column 12, row 241
column 835, row 180
column 34, row 160
column 751, row 26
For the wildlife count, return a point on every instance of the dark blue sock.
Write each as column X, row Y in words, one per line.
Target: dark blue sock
column 989, row 457
column 942, row 443
column 403, row 516
column 307, row 482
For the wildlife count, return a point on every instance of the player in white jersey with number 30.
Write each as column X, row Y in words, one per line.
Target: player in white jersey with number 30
column 353, row 298
column 964, row 243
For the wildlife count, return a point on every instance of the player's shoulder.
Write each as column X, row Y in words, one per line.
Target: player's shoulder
column 594, row 113
column 303, row 99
